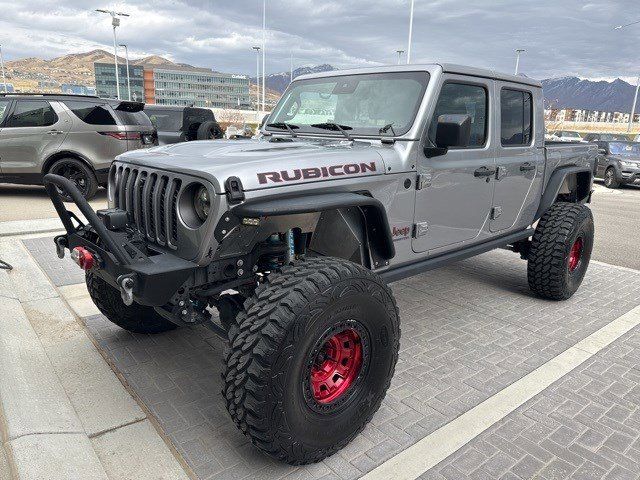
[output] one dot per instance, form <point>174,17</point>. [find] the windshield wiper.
<point>335,127</point>
<point>283,126</point>
<point>386,128</point>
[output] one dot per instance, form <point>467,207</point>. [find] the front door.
<point>519,159</point>
<point>32,131</point>
<point>455,190</point>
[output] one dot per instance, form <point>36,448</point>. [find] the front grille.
<point>151,200</point>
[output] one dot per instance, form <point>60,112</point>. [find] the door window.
<point>515,117</point>
<point>32,113</point>
<point>4,105</point>
<point>462,98</point>
<point>91,112</point>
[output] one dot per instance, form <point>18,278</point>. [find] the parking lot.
<point>491,381</point>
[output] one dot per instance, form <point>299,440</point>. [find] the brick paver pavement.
<point>468,331</point>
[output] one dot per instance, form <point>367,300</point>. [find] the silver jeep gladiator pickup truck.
<point>360,178</point>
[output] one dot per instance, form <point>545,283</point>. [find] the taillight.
<point>122,135</point>
<point>83,257</point>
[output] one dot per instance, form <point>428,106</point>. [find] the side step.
<point>395,274</point>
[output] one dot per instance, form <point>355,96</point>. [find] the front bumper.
<point>628,174</point>
<point>145,276</point>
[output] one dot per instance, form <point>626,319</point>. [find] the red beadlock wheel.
<point>336,366</point>
<point>575,255</point>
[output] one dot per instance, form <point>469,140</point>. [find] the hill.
<point>74,68</point>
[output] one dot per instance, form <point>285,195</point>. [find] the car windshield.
<point>571,134</point>
<point>624,148</point>
<point>359,104</point>
<point>165,120</point>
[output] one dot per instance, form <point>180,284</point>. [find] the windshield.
<point>571,134</point>
<point>626,148</point>
<point>361,104</point>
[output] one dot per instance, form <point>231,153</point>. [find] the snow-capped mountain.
<point>584,94</point>
<point>279,81</point>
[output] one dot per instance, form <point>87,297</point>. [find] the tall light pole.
<point>635,97</point>
<point>115,22</point>
<point>126,55</point>
<point>399,52</point>
<point>4,80</point>
<point>519,51</point>
<point>410,33</point>
<point>264,54</point>
<point>257,49</point>
<point>291,66</point>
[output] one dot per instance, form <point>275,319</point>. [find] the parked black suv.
<point>618,163</point>
<point>183,124</point>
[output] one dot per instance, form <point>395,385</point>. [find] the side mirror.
<point>602,151</point>
<point>451,131</point>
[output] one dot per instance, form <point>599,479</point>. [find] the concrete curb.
<point>66,414</point>
<point>27,227</point>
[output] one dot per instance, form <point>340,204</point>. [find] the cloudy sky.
<point>562,37</point>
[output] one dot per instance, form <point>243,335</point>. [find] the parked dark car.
<point>183,124</point>
<point>605,137</point>
<point>618,163</point>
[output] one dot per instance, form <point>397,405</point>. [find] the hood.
<point>261,163</point>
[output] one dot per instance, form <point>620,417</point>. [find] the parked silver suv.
<point>74,136</point>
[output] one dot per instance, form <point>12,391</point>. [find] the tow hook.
<point>126,283</point>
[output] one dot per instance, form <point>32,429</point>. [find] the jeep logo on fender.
<point>316,172</point>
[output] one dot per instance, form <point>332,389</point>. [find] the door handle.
<point>484,172</point>
<point>527,167</point>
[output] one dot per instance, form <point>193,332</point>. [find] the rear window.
<point>516,115</point>
<point>133,118</point>
<point>32,113</point>
<point>166,120</point>
<point>93,113</point>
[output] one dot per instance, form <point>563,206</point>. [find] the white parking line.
<point>445,441</point>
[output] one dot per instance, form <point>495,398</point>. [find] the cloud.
<point>561,38</point>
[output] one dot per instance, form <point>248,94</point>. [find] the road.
<point>617,221</point>
<point>616,212</point>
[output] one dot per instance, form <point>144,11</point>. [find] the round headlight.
<point>202,203</point>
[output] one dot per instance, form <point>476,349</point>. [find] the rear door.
<point>34,130</point>
<point>455,191</point>
<point>4,111</point>
<point>519,160</point>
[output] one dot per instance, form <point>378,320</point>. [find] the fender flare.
<point>377,224</point>
<point>555,183</point>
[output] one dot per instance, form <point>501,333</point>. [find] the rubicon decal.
<point>316,172</point>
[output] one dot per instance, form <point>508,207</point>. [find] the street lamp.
<point>4,80</point>
<point>635,97</point>
<point>410,33</point>
<point>257,49</point>
<point>518,52</point>
<point>126,54</point>
<point>115,22</point>
<point>291,66</point>
<point>399,52</point>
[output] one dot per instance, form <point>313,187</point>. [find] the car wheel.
<point>81,175</point>
<point>610,180</point>
<point>560,251</point>
<point>208,131</point>
<point>311,359</point>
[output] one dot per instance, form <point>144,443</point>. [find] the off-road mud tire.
<point>135,318</point>
<point>265,382</point>
<point>549,272</point>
